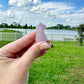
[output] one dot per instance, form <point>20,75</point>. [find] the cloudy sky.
<point>49,12</point>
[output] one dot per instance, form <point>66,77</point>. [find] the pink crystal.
<point>40,35</point>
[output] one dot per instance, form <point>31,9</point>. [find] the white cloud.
<point>55,5</point>
<point>80,11</point>
<point>52,10</point>
<point>34,8</point>
<point>37,1</point>
<point>6,16</point>
<point>0,5</point>
<point>20,3</point>
<point>35,11</point>
<point>24,3</point>
<point>76,18</point>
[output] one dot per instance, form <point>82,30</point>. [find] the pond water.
<point>47,31</point>
<point>57,35</point>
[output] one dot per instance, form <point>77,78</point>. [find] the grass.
<point>12,31</point>
<point>2,43</point>
<point>10,35</point>
<point>63,64</point>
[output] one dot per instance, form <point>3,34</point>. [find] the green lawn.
<point>5,36</point>
<point>63,64</point>
<point>2,43</point>
<point>10,35</point>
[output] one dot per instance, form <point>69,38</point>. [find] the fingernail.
<point>45,46</point>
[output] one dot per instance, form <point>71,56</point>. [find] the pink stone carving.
<point>40,35</point>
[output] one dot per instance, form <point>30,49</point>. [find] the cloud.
<point>7,16</point>
<point>20,3</point>
<point>36,2</point>
<point>24,3</point>
<point>52,10</point>
<point>33,12</point>
<point>80,11</point>
<point>0,5</point>
<point>76,18</point>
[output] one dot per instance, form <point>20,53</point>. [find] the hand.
<point>17,57</point>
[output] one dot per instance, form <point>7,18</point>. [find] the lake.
<point>47,31</point>
<point>58,35</point>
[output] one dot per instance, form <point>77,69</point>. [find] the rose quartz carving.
<point>40,35</point>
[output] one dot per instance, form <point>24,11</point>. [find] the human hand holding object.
<point>17,57</point>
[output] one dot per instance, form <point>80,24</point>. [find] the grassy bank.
<point>10,31</point>
<point>2,43</point>
<point>63,64</point>
<point>10,35</point>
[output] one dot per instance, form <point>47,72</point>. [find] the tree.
<point>6,25</point>
<point>1,25</point>
<point>11,26</point>
<point>19,26</point>
<point>80,31</point>
<point>25,26</point>
<point>31,26</point>
<point>60,26</point>
<point>74,28</point>
<point>67,27</point>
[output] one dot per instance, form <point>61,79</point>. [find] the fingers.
<point>34,52</point>
<point>20,44</point>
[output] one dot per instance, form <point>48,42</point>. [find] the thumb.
<point>34,52</point>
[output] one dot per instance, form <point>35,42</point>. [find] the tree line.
<point>79,29</point>
<point>61,26</point>
<point>18,25</point>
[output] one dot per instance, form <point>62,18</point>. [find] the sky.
<point>48,12</point>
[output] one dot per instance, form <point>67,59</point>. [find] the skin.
<point>17,57</point>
